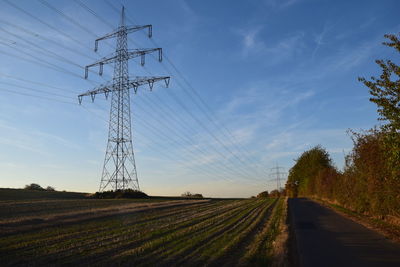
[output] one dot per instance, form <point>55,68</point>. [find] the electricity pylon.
<point>119,169</point>
<point>278,175</point>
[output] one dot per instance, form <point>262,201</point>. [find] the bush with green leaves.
<point>303,175</point>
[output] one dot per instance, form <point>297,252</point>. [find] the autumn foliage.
<point>370,181</point>
<point>367,184</point>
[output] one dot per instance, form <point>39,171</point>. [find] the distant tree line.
<point>126,193</point>
<point>187,194</point>
<point>370,181</point>
<point>273,194</point>
<point>37,187</point>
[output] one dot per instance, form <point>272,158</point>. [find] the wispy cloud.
<point>250,41</point>
<point>348,59</point>
<point>249,38</point>
<point>55,139</point>
<point>276,51</point>
<point>280,3</point>
<point>319,41</point>
<point>188,19</point>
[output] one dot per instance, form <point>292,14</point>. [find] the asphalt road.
<point>324,238</point>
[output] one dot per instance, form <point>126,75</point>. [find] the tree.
<point>303,175</point>
<point>385,90</point>
<point>34,187</point>
<point>186,194</point>
<point>274,193</point>
<point>190,195</point>
<point>264,194</point>
<point>50,188</point>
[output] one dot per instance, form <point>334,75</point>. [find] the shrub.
<point>303,175</point>
<point>368,185</point>
<point>274,193</point>
<point>376,187</point>
<point>34,187</point>
<point>264,194</point>
<point>127,193</point>
<point>187,194</point>
<point>370,182</point>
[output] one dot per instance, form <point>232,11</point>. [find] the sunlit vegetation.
<point>138,231</point>
<point>370,181</point>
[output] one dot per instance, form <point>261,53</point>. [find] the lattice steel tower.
<point>119,170</point>
<point>278,175</point>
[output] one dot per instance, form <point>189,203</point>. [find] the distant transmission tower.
<point>277,175</point>
<point>119,170</point>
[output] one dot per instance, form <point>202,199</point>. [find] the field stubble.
<point>125,232</point>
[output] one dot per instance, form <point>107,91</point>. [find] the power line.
<point>205,110</point>
<point>48,92</point>
<point>119,169</point>
<point>193,100</point>
<point>36,90</point>
<point>45,23</point>
<point>46,52</point>
<point>161,136</point>
<point>94,13</point>
<point>278,175</point>
<point>203,126</point>
<point>40,61</point>
<point>186,138</point>
<point>45,3</point>
<point>37,35</point>
<point>36,96</point>
<point>37,83</point>
<point>199,122</point>
<point>33,44</point>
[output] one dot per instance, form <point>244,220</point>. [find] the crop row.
<point>199,233</point>
<point>66,240</point>
<point>10,210</point>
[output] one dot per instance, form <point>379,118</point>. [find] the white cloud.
<point>275,51</point>
<point>249,39</point>
<point>281,4</point>
<point>319,41</point>
<point>48,137</point>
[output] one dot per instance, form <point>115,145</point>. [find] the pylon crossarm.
<point>131,54</point>
<point>139,81</point>
<point>101,63</point>
<point>127,29</point>
<point>142,52</point>
<point>119,168</point>
<point>102,89</point>
<point>130,29</point>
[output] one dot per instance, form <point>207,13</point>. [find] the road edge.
<point>360,219</point>
<point>293,253</point>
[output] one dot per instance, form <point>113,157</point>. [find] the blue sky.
<point>277,78</point>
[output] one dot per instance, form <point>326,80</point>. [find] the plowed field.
<point>127,232</point>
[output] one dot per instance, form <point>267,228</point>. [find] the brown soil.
<point>35,222</point>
